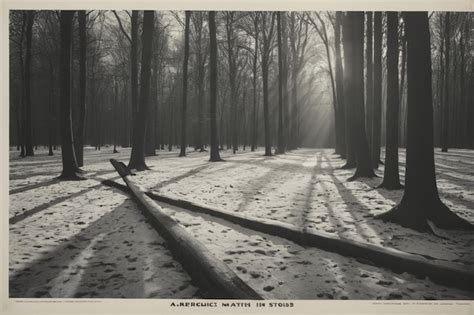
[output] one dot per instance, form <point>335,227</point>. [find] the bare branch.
<point>121,26</point>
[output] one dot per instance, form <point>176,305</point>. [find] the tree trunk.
<point>420,202</point>
<point>51,110</point>
<point>70,168</point>
<point>214,155</point>
<point>391,179</point>
<point>462,101</point>
<point>286,111</point>
<point>137,158</point>
<point>115,116</point>
<point>266,119</point>
<point>79,143</point>
<point>281,84</point>
<point>349,90</point>
<point>254,82</point>
<point>185,85</point>
<point>445,112</point>
<point>134,64</point>
<point>152,122</point>
<point>377,101</point>
<point>364,164</point>
<point>369,86</point>
<point>233,123</point>
<point>341,132</point>
<point>21,108</point>
<point>28,124</point>
<point>402,112</point>
<point>200,81</point>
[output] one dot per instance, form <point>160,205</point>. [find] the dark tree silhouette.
<point>134,62</point>
<point>232,63</point>
<point>348,83</point>
<point>377,101</point>
<point>254,85</point>
<point>401,113</point>
<point>185,84</point>
<point>341,132</point>
<point>391,179</point>
<point>445,113</point>
<point>364,164</point>
<point>20,109</point>
<point>421,202</point>
<point>70,168</point>
<point>369,85</point>
<point>79,143</point>
<point>27,122</point>
<point>137,158</point>
<point>201,57</point>
<point>282,83</point>
<point>267,31</point>
<point>214,154</point>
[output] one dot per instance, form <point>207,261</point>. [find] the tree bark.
<point>391,179</point>
<point>377,101</point>
<point>254,85</point>
<point>231,59</point>
<point>348,90</point>
<point>51,109</point>
<point>115,115</point>
<point>214,155</point>
<point>267,36</point>
<point>200,63</point>
<point>282,83</point>
<point>364,164</point>
<point>341,132</point>
<point>134,64</point>
<point>185,85</point>
<point>369,86</point>
<point>152,122</point>
<point>28,124</point>
<point>402,112</point>
<point>70,168</point>
<point>137,158</point>
<point>445,112</point>
<point>421,202</point>
<point>79,143</point>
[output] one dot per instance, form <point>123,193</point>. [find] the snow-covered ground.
<point>83,239</point>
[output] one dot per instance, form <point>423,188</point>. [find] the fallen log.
<point>398,261</point>
<point>207,272</point>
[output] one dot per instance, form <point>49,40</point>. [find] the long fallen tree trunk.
<point>208,272</point>
<point>396,260</point>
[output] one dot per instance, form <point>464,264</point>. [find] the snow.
<point>84,239</point>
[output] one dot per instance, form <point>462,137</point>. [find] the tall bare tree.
<point>420,202</point>
<point>377,101</point>
<point>185,84</point>
<point>283,120</point>
<point>214,154</point>
<point>364,164</point>
<point>267,29</point>
<point>27,122</point>
<point>137,158</point>
<point>445,112</point>
<point>70,170</point>
<point>79,143</point>
<point>391,178</point>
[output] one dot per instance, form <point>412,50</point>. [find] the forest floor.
<point>85,239</point>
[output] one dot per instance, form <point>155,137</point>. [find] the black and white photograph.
<point>240,155</point>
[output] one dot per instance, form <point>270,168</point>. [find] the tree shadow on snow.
<point>106,259</point>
